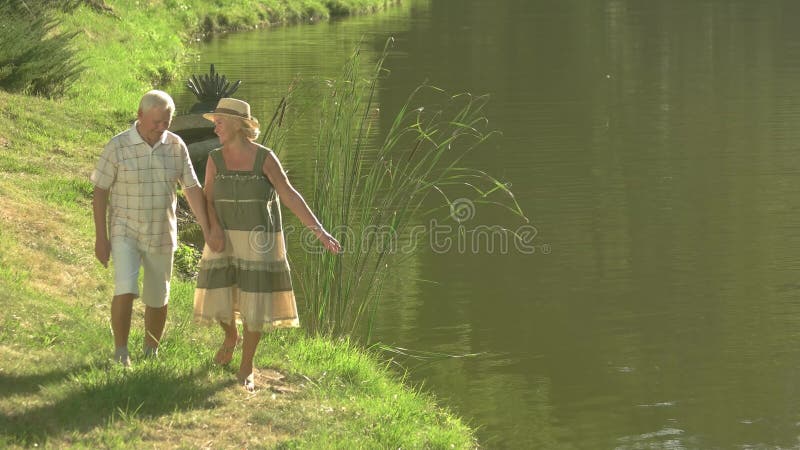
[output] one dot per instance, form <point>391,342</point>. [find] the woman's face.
<point>226,128</point>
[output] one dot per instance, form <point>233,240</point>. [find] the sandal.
<point>248,383</point>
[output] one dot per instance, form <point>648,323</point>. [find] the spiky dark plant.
<point>209,88</point>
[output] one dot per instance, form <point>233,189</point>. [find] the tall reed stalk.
<point>368,195</point>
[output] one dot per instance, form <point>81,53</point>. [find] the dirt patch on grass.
<point>59,262</point>
<point>237,421</point>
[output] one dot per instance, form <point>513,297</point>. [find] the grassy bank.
<point>57,386</point>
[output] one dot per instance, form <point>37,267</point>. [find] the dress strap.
<point>219,161</point>
<point>261,155</point>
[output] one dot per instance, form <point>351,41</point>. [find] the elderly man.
<point>141,168</point>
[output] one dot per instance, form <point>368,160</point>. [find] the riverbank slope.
<point>58,386</point>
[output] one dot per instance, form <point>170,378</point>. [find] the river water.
<point>655,148</point>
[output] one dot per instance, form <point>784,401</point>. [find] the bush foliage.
<point>35,58</point>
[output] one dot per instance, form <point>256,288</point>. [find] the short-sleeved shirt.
<point>143,182</point>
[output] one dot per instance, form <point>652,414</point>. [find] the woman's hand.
<point>328,241</point>
<point>216,239</point>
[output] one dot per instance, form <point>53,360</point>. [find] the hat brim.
<point>210,116</point>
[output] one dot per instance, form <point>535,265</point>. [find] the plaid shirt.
<point>143,183</point>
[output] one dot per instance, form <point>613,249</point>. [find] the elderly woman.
<point>244,274</point>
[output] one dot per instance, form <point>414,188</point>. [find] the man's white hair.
<point>156,99</point>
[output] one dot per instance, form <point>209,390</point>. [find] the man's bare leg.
<point>154,320</point>
<point>121,311</point>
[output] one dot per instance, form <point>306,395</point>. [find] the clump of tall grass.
<point>371,195</point>
<point>35,58</point>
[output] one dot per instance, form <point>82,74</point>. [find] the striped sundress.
<point>249,281</point>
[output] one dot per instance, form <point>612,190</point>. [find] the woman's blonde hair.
<point>249,130</point>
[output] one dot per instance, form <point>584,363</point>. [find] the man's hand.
<point>102,250</point>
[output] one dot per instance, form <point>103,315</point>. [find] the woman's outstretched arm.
<point>296,203</point>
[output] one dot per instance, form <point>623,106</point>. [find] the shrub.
<point>186,261</point>
<point>35,59</point>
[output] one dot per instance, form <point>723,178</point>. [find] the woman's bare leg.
<point>225,352</point>
<point>249,346</point>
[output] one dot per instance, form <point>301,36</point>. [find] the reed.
<point>371,186</point>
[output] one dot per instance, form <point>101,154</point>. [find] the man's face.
<point>153,123</point>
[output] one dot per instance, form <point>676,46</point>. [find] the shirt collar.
<point>134,133</point>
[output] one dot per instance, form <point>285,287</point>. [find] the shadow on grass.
<point>11,384</point>
<point>101,396</point>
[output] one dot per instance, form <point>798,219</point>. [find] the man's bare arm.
<point>102,246</point>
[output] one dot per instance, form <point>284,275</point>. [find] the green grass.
<point>61,389</point>
<point>94,403</point>
<point>58,387</point>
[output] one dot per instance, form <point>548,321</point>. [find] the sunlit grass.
<point>60,389</point>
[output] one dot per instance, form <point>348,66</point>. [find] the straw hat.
<point>231,107</point>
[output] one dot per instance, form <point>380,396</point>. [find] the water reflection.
<point>654,147</point>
